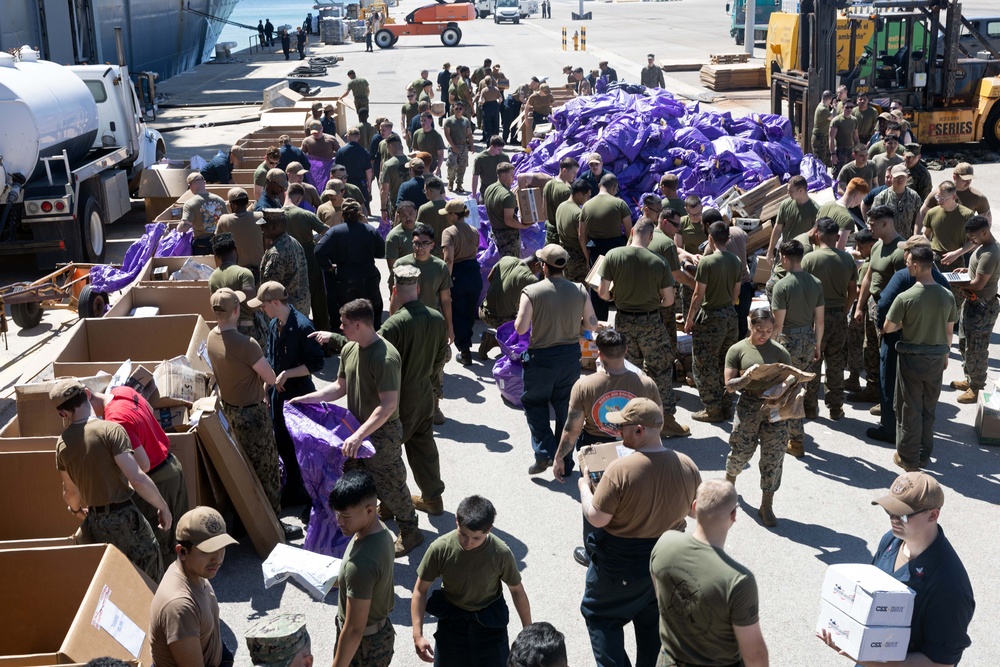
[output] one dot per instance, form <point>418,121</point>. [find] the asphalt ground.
<point>824,503</point>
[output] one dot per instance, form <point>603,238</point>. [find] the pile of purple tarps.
<point>318,431</point>
<point>106,278</point>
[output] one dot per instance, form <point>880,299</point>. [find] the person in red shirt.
<point>127,408</point>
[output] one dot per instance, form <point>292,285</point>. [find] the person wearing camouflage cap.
<point>99,471</point>
<point>284,261</point>
<point>280,641</point>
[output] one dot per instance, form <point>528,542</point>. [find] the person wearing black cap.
<point>552,309</point>
<point>916,552</point>
<point>97,464</point>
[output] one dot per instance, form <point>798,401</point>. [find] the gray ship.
<point>160,35</point>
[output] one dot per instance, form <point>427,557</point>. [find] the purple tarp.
<point>105,278</point>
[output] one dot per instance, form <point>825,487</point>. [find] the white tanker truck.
<point>72,138</point>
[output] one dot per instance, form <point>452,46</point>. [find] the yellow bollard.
<point>583,38</point>
<point>564,38</point>
<point>576,40</point>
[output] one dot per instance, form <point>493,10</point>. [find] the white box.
<point>868,595</point>
<point>862,642</point>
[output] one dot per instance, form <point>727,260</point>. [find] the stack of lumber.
<point>728,58</point>
<point>733,77</point>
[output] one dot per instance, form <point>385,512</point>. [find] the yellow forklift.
<point>911,50</point>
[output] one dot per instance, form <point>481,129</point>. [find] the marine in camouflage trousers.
<point>649,349</point>
<point>253,429</point>
<point>508,241</point>
<point>821,148</point>
<point>577,267</point>
<point>975,325</point>
<point>669,316</point>
<point>752,428</point>
<point>438,380</point>
<point>493,321</point>
<point>855,349</point>
<point>169,480</point>
<point>833,351</point>
<point>552,236</point>
<point>387,467</point>
<point>801,345</point>
<point>375,650</point>
<point>713,334</point>
<point>873,341</point>
<point>458,162</point>
<point>127,529</point>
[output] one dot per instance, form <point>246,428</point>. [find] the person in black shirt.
<point>358,163</point>
<point>220,168</point>
<point>413,189</point>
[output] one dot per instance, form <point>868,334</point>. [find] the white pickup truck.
<point>506,10</point>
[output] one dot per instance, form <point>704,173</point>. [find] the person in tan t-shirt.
<point>242,224</point>
<point>184,616</point>
<point>460,243</point>
<point>638,498</point>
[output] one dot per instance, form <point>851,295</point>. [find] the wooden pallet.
<point>728,58</point>
<point>733,77</point>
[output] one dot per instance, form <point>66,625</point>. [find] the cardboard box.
<point>760,237</point>
<point>531,204</point>
<point>597,458</point>
<point>237,475</point>
<point>588,346</point>
<point>685,344</point>
<point>763,270</point>
<point>141,380</point>
<point>200,479</point>
<point>861,642</point>
<point>535,179</point>
<point>177,383</point>
<point>173,419</point>
<point>30,483</point>
<point>145,341</point>
<point>171,264</point>
<point>37,414</point>
<point>593,279</point>
<point>169,299</point>
<point>868,595</point>
<point>62,600</point>
<point>987,420</point>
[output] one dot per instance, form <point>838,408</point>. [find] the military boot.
<point>766,512</point>
<point>407,542</point>
<point>795,448</point>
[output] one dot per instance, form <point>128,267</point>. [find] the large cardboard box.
<point>145,341</point>
<point>988,419</point>
<point>763,271</point>
<point>177,383</point>
<point>37,415</point>
<point>169,265</point>
<point>75,604</point>
<point>759,238</point>
<point>531,204</point>
<point>597,458</point>
<point>31,493</point>
<point>161,185</point>
<point>168,300</point>
<point>861,642</point>
<point>868,595</point>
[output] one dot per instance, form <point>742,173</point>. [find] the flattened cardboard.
<point>531,204</point>
<point>48,608</point>
<point>763,271</point>
<point>238,476</point>
<point>197,477</point>
<point>593,279</point>
<point>37,415</point>
<point>597,458</point>
<point>169,299</point>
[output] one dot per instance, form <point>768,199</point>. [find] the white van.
<point>524,8</point>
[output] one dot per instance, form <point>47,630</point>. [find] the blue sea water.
<point>292,12</point>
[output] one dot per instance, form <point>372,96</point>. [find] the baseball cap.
<point>595,158</point>
<point>455,206</point>
<point>554,255</point>
<point>274,641</point>
<point>912,492</point>
<point>226,300</point>
<point>338,168</point>
<point>416,163</point>
<point>271,215</point>
<point>640,411</point>
<point>911,149</point>
<point>316,125</point>
<point>236,194</point>
<point>915,241</point>
<point>900,170</point>
<point>65,390</point>
<point>885,115</point>
<point>964,171</point>
<point>277,176</point>
<point>272,290</point>
<point>296,168</point>
<point>194,176</point>
<point>650,56</point>
<point>316,106</point>
<point>204,528</point>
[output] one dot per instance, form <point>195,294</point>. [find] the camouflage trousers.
<point>713,334</point>
<point>821,148</point>
<point>129,531</point>
<point>801,345</point>
<point>855,344</point>
<point>253,429</point>
<point>508,241</point>
<point>438,381</point>
<point>375,650</point>
<point>577,267</point>
<point>551,235</point>
<point>387,467</point>
<point>873,341</point>
<point>669,316</point>
<point>250,328</point>
<point>975,325</point>
<point>169,480</point>
<point>751,428</point>
<point>458,162</point>
<point>649,349</point>
<point>833,351</point>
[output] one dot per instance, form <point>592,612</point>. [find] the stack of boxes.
<point>867,612</point>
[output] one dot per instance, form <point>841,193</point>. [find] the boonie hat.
<point>639,411</point>
<point>964,171</point>
<point>912,492</point>
<point>236,194</point>
<point>296,168</point>
<point>277,176</point>
<point>900,170</point>
<point>455,206</point>
<point>204,528</point>
<point>276,640</point>
<point>554,255</point>
<point>272,290</point>
<point>194,176</point>
<point>65,390</point>
<point>226,300</point>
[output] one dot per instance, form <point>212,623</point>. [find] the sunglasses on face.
<point>905,518</point>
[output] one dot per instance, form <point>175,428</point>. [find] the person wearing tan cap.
<point>460,245</point>
<point>351,191</point>
<point>275,186</point>
<point>904,202</point>
<point>284,261</point>
<point>295,173</point>
<point>201,214</point>
<point>99,471</point>
<point>241,222</point>
<point>618,592</point>
<point>553,309</point>
<point>331,211</point>
<point>916,551</point>
<point>184,626</point>
<point>968,196</point>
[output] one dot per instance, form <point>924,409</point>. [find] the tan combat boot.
<point>766,512</point>
<point>407,542</point>
<point>709,415</point>
<point>970,395</point>
<point>961,385</point>
<point>795,448</point>
<point>433,507</point>
<point>671,429</point>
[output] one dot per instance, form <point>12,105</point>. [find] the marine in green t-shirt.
<point>923,311</point>
<point>986,260</point>
<point>413,330</point>
<point>744,354</point>
<point>554,193</point>
<point>805,238</point>
<point>484,169</point>
<point>665,247</point>
<point>359,89</point>
<point>497,199</point>
<point>605,217</point>
<point>839,214</point>
<point>367,372</point>
<point>639,278</point>
<point>835,270</point>
<point>435,278</point>
<point>692,234</point>
<point>507,280</point>
<point>720,274</point>
<point>798,294</point>
<point>846,127</point>
<point>568,226</point>
<point>459,130</point>
<point>947,228</point>
<point>886,259</point>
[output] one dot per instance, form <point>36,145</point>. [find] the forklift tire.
<point>91,303</point>
<point>451,36</point>
<point>26,315</point>
<point>385,39</point>
<point>991,130</point>
<point>92,229</point>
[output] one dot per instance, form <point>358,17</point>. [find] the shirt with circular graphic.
<point>598,394</point>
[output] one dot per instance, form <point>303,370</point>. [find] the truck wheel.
<point>92,223</point>
<point>451,36</point>
<point>496,19</point>
<point>991,130</point>
<point>385,39</point>
<point>483,13</point>
<point>91,303</point>
<point>739,37</point>
<point>517,21</point>
<point>26,315</point>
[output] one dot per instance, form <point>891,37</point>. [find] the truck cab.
<point>737,10</point>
